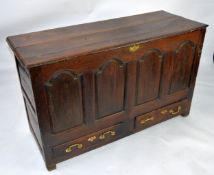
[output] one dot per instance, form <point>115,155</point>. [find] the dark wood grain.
<point>110,88</point>
<point>90,141</point>
<point>162,114</point>
<point>87,85</point>
<point>149,71</point>
<point>183,57</point>
<point>61,88</point>
<point>57,44</point>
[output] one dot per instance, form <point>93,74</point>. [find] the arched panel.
<point>148,76</point>
<point>182,66</point>
<point>110,88</point>
<point>65,100</point>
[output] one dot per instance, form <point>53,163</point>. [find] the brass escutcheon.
<point>164,111</point>
<point>134,48</point>
<point>91,139</point>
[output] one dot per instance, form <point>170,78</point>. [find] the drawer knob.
<point>171,111</point>
<point>134,48</point>
<point>91,139</point>
<point>69,149</point>
<point>146,120</point>
<point>103,136</point>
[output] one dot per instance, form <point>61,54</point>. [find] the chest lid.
<point>48,46</point>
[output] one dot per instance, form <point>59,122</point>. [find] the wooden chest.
<point>87,85</point>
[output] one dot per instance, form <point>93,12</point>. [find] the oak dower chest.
<point>87,85</point>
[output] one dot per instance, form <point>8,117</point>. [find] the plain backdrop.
<point>178,146</point>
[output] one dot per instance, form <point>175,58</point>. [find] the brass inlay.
<point>171,111</point>
<point>146,120</point>
<point>134,48</point>
<point>103,136</point>
<point>69,149</point>
<point>91,139</point>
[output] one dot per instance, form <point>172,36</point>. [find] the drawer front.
<point>90,141</point>
<point>147,120</point>
<point>173,110</point>
<point>161,114</point>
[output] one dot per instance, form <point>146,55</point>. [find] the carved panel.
<point>64,90</point>
<point>181,66</point>
<point>148,76</point>
<point>110,88</point>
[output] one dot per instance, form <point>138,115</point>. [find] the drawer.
<point>159,115</point>
<point>146,120</point>
<point>85,143</point>
<point>173,109</point>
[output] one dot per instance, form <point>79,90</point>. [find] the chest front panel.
<point>116,85</point>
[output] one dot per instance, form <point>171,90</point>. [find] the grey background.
<point>178,146</point>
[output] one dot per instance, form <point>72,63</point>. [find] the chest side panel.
<point>30,106</point>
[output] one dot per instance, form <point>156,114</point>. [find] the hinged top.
<point>53,45</point>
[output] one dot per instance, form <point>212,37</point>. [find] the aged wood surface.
<point>57,44</point>
<point>87,85</point>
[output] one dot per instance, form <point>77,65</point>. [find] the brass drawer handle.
<point>92,138</point>
<point>171,111</point>
<point>69,149</point>
<point>146,120</point>
<point>103,136</point>
<point>134,48</point>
